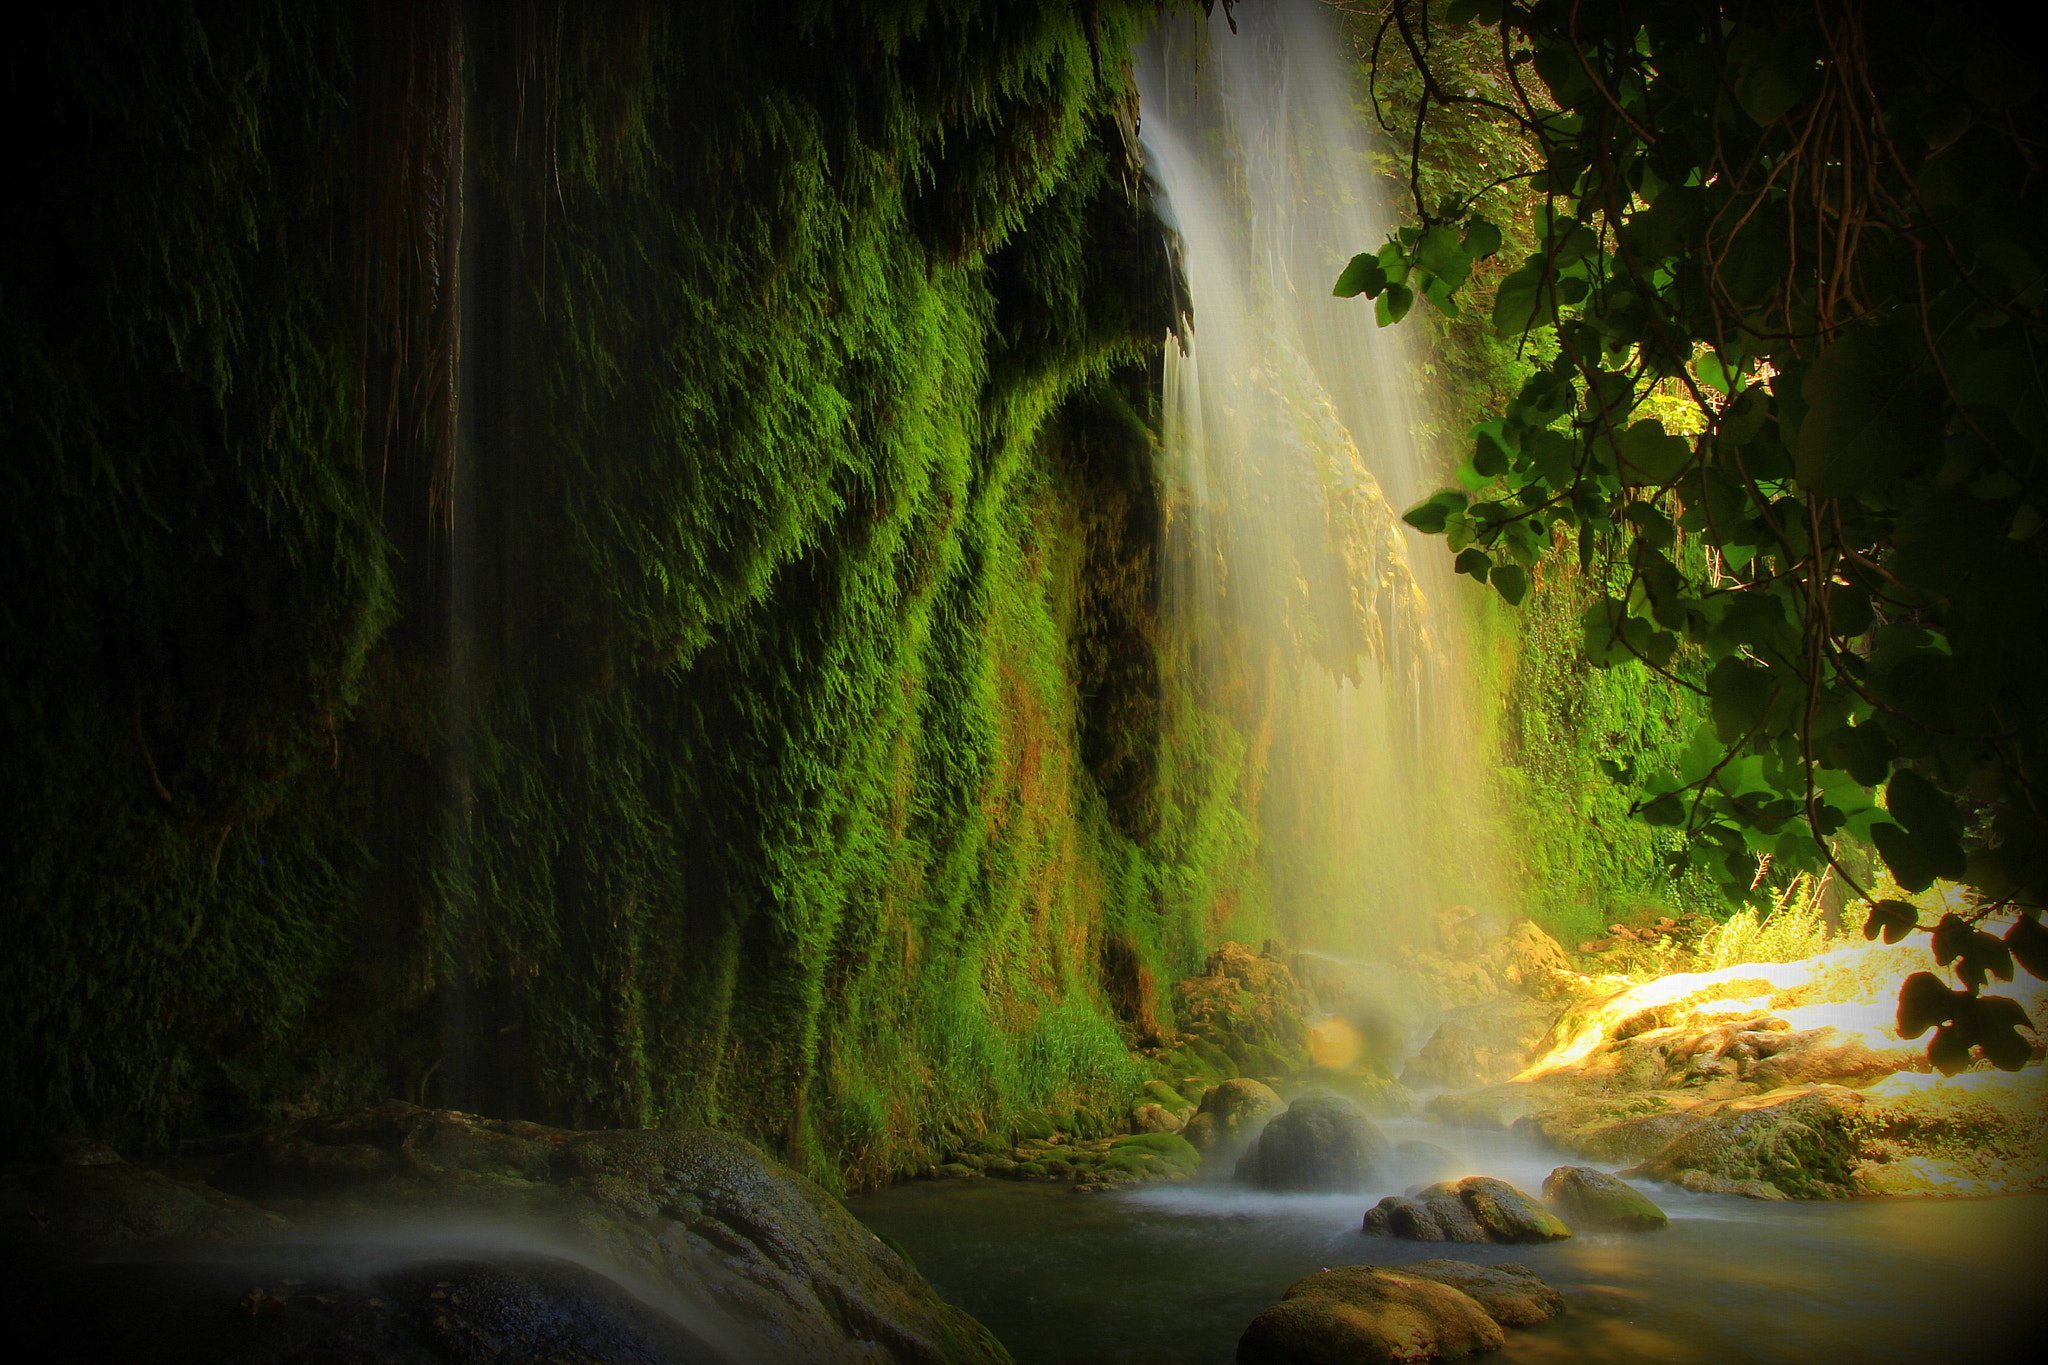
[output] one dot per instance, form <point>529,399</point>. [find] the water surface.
<point>1170,1274</point>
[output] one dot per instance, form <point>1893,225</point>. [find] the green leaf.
<point>1363,276</point>
<point>1429,515</point>
<point>1894,919</point>
<point>1523,300</point>
<point>1909,864</point>
<point>1923,1002</point>
<point>1949,1049</point>
<point>2028,943</point>
<point>1770,79</point>
<point>1915,803</point>
<point>1664,811</point>
<point>1474,562</point>
<point>1740,693</point>
<point>1871,415</point>
<point>1742,419</point>
<point>1650,457</point>
<point>1511,581</point>
<point>1393,304</point>
<point>1482,238</point>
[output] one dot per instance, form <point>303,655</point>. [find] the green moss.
<point>770,720</point>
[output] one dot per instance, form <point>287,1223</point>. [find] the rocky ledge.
<point>397,1234</point>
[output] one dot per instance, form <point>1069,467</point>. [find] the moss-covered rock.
<point>1230,1116</point>
<point>1512,1294</point>
<point>1321,1142</point>
<point>1477,1208</point>
<point>1595,1201</point>
<point>1368,1316</point>
<point>1800,1142</point>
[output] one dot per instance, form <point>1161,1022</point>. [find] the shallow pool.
<point>1170,1274</point>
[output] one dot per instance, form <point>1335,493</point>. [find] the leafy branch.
<point>1818,234</point>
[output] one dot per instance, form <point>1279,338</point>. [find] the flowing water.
<point>1290,432</point>
<point>1171,1275</point>
<point>1290,440</point>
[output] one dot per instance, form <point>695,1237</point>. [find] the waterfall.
<point>1331,631</point>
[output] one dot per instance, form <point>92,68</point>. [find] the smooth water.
<point>1171,1274</point>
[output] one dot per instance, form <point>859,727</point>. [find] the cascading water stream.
<point>1290,427</point>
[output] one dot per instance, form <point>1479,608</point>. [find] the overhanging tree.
<point>1822,228</point>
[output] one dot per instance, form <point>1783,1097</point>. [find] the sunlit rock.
<point>1322,1142</point>
<point>1594,1201</point>
<point>1778,1080</point>
<point>1366,1315</point>
<point>1798,1141</point>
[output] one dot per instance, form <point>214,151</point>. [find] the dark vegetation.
<point>593,564</point>
<point>1783,282</point>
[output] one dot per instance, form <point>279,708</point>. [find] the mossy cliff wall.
<point>591,563</point>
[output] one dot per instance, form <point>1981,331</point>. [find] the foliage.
<point>1581,863</point>
<point>746,703</point>
<point>1822,230</point>
<point>1797,927</point>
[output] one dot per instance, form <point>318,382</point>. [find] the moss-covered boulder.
<point>1798,1143</point>
<point>1512,1294</point>
<point>1230,1116</point>
<point>1321,1142</point>
<point>1360,1315</point>
<point>1248,1006</point>
<point>1151,1156</point>
<point>1475,1209</point>
<point>1594,1201</point>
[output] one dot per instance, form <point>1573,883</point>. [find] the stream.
<point>1170,1274</point>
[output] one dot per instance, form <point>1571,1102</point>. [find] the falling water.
<point>1329,629</point>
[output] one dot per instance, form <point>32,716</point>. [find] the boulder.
<point>527,1223</point>
<point>1231,1115</point>
<point>1475,1209</point>
<point>1358,1315</point>
<point>1418,1220</point>
<point>1322,1142</point>
<point>1512,1294</point>
<point>1798,1142</point>
<point>1595,1201</point>
<point>1154,1118</point>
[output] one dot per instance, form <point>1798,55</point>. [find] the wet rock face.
<point>275,1306</point>
<point>1595,1201</point>
<point>1322,1142</point>
<point>776,1261</point>
<point>1475,1209</point>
